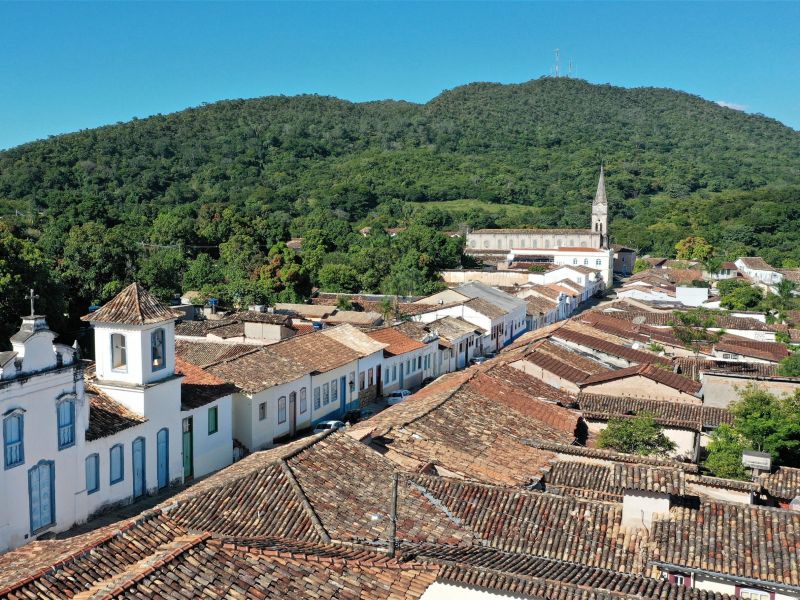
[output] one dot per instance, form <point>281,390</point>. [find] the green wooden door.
<point>188,457</point>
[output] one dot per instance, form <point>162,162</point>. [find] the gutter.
<point>749,581</point>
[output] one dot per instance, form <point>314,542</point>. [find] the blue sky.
<point>68,66</point>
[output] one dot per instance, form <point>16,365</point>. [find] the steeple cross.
<point>32,297</point>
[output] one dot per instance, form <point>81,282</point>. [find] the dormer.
<point>134,338</point>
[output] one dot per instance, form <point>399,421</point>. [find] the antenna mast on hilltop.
<point>569,69</point>
<point>558,63</point>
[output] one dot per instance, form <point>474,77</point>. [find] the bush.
<point>637,435</point>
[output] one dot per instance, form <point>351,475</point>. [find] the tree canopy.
<point>636,435</point>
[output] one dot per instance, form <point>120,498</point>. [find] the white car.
<point>397,396</point>
<point>326,425</point>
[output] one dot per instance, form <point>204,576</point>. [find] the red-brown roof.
<point>398,342</point>
<point>668,378</point>
<point>133,306</point>
<point>200,387</point>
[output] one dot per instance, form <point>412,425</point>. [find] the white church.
<point>576,247</point>
<point>74,445</point>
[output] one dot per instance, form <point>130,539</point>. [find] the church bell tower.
<point>600,211</point>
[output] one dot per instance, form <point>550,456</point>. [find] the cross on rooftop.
<point>32,297</point>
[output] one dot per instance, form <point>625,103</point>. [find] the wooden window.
<point>316,398</point>
<point>303,401</point>
<point>92,473</point>
<point>326,398</point>
<point>213,420</point>
<point>13,439</point>
<point>117,463</point>
<point>65,411</point>
<point>119,354</point>
<point>157,350</point>
<point>282,409</point>
<point>262,411</point>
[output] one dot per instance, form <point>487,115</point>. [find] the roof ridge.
<point>112,587</point>
<point>298,490</point>
<point>85,549</point>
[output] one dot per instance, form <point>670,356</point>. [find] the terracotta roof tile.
<point>606,347</point>
<point>133,306</point>
<point>668,378</point>
<point>397,342</point>
<point>107,416</point>
<point>261,369</point>
<point>783,483</point>
<point>675,414</point>
<point>200,387</point>
<point>204,354</point>
<point>731,539</point>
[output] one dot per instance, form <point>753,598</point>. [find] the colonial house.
<point>273,397</point>
<point>459,342</point>
<point>758,270</point>
<point>72,449</point>
<point>403,359</point>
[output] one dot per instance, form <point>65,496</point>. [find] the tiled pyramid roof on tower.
<point>133,306</point>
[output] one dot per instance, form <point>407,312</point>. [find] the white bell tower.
<point>600,211</point>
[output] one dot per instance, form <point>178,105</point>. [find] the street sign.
<point>757,460</point>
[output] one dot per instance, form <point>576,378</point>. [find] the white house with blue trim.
<point>72,449</point>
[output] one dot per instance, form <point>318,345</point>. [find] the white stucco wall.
<point>212,451</point>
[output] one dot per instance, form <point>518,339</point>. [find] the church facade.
<point>488,241</point>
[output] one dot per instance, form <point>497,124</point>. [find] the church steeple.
<point>600,210</point>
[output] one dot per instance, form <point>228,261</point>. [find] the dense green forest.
<point>205,198</point>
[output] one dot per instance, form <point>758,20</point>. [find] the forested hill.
<point>537,144</point>
<point>204,198</point>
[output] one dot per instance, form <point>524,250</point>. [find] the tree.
<point>636,435</point>
<point>339,278</point>
<point>725,453</point>
<point>694,248</point>
<point>790,366</point>
<point>22,267</point>
<point>162,272</point>
<point>640,265</point>
<point>201,272</point>
<point>742,298</point>
<point>769,423</point>
<point>343,303</point>
<point>387,308</point>
<point>693,329</point>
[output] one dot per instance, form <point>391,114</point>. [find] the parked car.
<point>478,360</point>
<point>428,380</point>
<point>397,396</point>
<point>327,425</point>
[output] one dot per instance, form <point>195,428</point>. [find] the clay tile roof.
<point>200,387</point>
<point>736,540</point>
<point>664,319</point>
<point>668,378</point>
<point>783,483</point>
<point>533,230</point>
<point>251,316</point>
<point>756,263</point>
<point>533,386</point>
<point>452,328</point>
<point>316,352</point>
<point>133,306</point>
<point>65,568</point>
<point>556,366</point>
<point>355,317</point>
<point>601,345</point>
<point>107,416</point>
<point>396,341</point>
<point>539,306</point>
<point>675,414</point>
<point>312,311</point>
<point>610,455</point>
<point>260,369</point>
<point>646,478</point>
<point>204,354</point>
<point>772,351</point>
<point>483,307</point>
<point>692,368</point>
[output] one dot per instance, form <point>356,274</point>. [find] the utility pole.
<point>393,518</point>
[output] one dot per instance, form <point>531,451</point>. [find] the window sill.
<point>67,446</point>
<point>117,481</point>
<point>14,466</point>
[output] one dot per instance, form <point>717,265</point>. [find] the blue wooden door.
<point>345,405</point>
<point>162,451</point>
<point>138,468</point>
<point>40,489</point>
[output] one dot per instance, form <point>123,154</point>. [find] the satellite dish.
<point>795,504</point>
<point>640,320</point>
<point>636,345</point>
